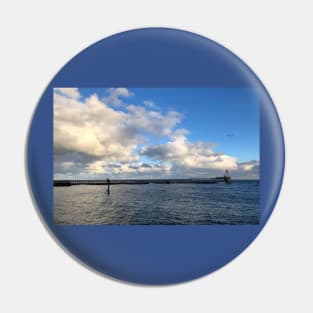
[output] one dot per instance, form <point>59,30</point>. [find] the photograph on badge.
<point>156,156</point>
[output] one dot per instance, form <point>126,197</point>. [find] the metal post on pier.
<point>108,184</point>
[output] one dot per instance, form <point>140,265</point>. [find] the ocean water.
<point>166,204</point>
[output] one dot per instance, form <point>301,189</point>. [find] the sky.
<point>156,132</point>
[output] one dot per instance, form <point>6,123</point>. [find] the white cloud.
<point>72,93</point>
<point>101,134</point>
<point>115,94</point>
<point>197,155</point>
<point>249,169</point>
<point>150,104</point>
<point>92,138</point>
<point>141,168</point>
<point>90,127</point>
<point>248,166</point>
<point>152,121</point>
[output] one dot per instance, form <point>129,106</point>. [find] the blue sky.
<point>228,117</point>
<point>203,121</point>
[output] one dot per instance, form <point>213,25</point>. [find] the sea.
<point>158,204</point>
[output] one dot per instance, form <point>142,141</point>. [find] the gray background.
<point>274,39</point>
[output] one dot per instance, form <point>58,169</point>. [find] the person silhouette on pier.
<point>108,184</point>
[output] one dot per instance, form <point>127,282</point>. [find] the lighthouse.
<point>227,177</point>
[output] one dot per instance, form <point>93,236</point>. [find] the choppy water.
<point>236,203</point>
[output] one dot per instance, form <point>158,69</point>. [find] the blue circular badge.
<point>155,156</point>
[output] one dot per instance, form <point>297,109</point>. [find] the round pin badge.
<point>155,156</point>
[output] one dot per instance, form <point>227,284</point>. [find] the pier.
<point>73,182</point>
